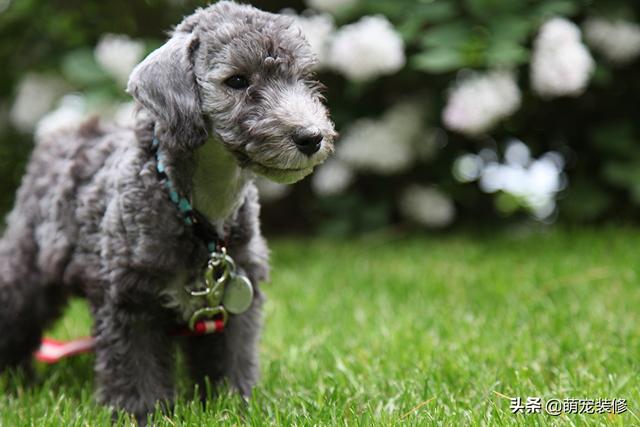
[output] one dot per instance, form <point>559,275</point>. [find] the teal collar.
<point>222,288</point>
<point>192,217</point>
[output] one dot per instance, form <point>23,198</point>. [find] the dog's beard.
<point>287,168</point>
<point>282,176</point>
<point>285,175</point>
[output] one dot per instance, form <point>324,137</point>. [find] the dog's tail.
<point>27,303</point>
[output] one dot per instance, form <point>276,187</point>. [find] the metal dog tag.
<point>238,294</point>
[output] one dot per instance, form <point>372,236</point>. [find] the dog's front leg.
<point>134,359</point>
<point>231,355</point>
<point>205,360</point>
<point>241,338</point>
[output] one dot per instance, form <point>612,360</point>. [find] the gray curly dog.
<point>229,95</point>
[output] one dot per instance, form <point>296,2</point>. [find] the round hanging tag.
<point>238,294</point>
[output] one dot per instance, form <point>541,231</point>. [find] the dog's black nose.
<point>308,142</point>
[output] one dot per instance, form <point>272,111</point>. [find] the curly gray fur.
<point>91,217</point>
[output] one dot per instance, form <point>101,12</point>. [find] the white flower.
<point>317,29</point>
<point>536,181</point>
<point>544,179</point>
<point>480,101</point>
<point>331,6</point>
<point>331,178</point>
<point>384,146</point>
<point>427,206</point>
<point>367,49</point>
<point>71,111</point>
<point>271,191</point>
<point>118,55</point>
<point>618,41</point>
<point>561,64</point>
<point>517,153</point>
<point>368,145</point>
<point>36,95</point>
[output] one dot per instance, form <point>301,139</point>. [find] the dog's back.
<point>56,218</point>
<point>62,194</point>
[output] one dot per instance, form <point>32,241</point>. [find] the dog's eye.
<point>237,82</point>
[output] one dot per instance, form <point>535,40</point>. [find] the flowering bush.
<point>477,103</point>
<point>560,64</point>
<point>449,111</point>
<point>366,49</point>
<point>117,55</point>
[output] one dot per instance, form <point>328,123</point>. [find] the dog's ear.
<point>165,84</point>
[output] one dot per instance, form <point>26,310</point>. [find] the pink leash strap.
<point>52,351</point>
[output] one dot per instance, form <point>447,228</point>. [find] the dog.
<point>110,213</point>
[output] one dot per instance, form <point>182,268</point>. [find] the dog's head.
<point>245,76</point>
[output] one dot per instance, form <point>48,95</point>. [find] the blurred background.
<point>451,112</point>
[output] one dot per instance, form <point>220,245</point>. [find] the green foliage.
<point>80,66</point>
<point>597,132</point>
<point>452,35</point>
<point>57,37</point>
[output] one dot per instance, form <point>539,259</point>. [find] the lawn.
<point>411,330</point>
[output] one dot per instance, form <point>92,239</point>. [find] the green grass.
<point>416,330</point>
